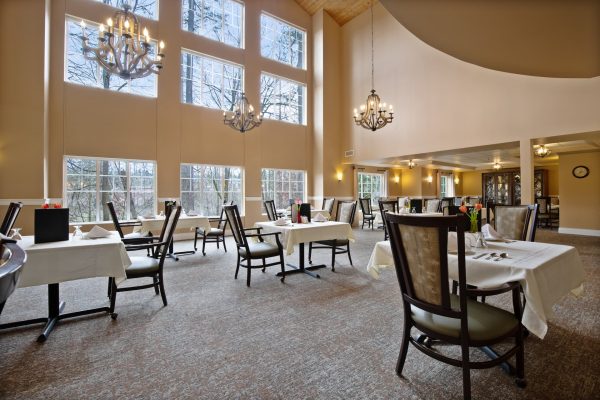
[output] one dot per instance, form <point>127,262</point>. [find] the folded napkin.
<point>319,218</point>
<point>97,232</point>
<point>149,216</point>
<point>490,233</point>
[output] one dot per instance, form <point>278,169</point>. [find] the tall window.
<point>282,99</point>
<point>210,82</point>
<point>90,183</point>
<point>88,73</point>
<point>282,42</point>
<point>282,185</point>
<point>219,20</point>
<point>204,188</point>
<point>446,185</point>
<point>371,186</point>
<point>143,8</point>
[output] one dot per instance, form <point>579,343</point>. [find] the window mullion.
<point>98,190</point>
<point>128,191</point>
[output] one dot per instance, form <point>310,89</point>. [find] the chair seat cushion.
<point>338,242</point>
<point>485,322</point>
<point>136,235</point>
<point>369,216</point>
<point>260,250</point>
<point>142,266</point>
<point>215,232</point>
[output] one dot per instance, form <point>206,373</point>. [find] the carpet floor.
<point>336,337</point>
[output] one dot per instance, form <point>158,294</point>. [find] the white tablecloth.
<point>73,259</point>
<point>304,233</point>
<point>313,213</point>
<point>155,225</point>
<point>546,271</point>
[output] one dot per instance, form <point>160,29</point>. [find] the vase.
<point>474,228</point>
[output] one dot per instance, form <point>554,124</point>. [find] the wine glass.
<point>77,233</point>
<point>15,234</point>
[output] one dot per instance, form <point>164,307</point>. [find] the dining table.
<point>69,260</point>
<point>299,234</point>
<point>547,272</point>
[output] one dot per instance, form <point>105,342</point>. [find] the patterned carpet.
<point>331,338</point>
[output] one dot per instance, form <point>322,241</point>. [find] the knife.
<point>479,256</point>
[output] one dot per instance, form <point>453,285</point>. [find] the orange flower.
<point>45,205</point>
<point>463,209</point>
<point>57,205</point>
<point>478,206</point>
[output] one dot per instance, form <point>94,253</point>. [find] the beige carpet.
<point>331,338</point>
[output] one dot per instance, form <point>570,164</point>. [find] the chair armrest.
<point>505,287</point>
<point>145,246</point>
<point>214,220</point>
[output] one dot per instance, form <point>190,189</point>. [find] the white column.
<point>527,172</point>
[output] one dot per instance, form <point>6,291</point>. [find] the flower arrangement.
<point>55,205</point>
<point>472,215</point>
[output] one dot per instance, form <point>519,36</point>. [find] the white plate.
<point>467,252</point>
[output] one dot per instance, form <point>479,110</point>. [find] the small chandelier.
<point>497,166</point>
<point>374,113</point>
<point>542,151</point>
<point>242,118</point>
<point>411,164</point>
<point>121,48</point>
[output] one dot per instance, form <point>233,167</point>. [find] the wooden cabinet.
<point>504,187</point>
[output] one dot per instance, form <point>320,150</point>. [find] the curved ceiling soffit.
<point>559,39</point>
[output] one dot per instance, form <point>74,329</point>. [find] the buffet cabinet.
<point>504,187</point>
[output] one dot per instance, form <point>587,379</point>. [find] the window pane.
<point>209,82</point>
<point>282,99</point>
<point>219,20</point>
<point>209,186</point>
<point>143,8</point>
<point>281,42</point>
<point>282,185</point>
<point>371,186</point>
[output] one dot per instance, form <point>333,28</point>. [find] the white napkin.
<point>281,221</point>
<point>490,233</point>
<point>149,216</point>
<point>97,232</point>
<point>319,218</point>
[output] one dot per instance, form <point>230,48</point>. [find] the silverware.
<point>492,255</point>
<point>479,256</point>
<point>501,256</point>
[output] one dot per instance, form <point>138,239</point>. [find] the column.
<point>527,172</point>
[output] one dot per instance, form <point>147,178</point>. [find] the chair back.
<point>271,210</point>
<point>10,217</point>
<point>235,223</point>
<point>365,206</point>
<point>166,236</point>
<point>445,202</point>
<point>532,222</point>
<point>115,219</point>
<point>544,205</point>
<point>222,218</point>
<point>402,202</point>
<point>346,210</point>
<point>420,250</point>
<point>432,205</point>
<point>417,204</point>
<point>512,222</point>
<point>328,205</point>
<point>388,205</point>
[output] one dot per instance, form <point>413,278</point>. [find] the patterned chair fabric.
<point>512,221</point>
<point>433,205</point>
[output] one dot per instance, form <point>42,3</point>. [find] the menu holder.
<point>51,225</point>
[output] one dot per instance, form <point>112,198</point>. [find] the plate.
<point>286,224</point>
<point>467,252</point>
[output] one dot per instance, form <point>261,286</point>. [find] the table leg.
<point>302,269</point>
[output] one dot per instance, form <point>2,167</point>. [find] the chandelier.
<point>542,151</point>
<point>123,48</point>
<point>497,166</point>
<point>374,113</point>
<point>411,164</point>
<point>242,118</point>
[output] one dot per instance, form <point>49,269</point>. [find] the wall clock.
<point>581,171</point>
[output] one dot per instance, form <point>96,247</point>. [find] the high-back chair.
<point>417,204</point>
<point>249,250</point>
<point>420,250</point>
<point>545,210</point>
<point>445,202</point>
<point>10,217</point>
<point>367,212</point>
<point>345,213</point>
<point>271,210</point>
<point>129,238</point>
<point>386,206</point>
<point>328,205</point>
<point>148,267</point>
<point>214,235</point>
<point>432,205</point>
<point>512,222</point>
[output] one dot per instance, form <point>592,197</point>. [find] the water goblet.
<point>77,233</point>
<point>15,234</point>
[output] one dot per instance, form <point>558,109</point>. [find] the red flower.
<point>45,205</point>
<point>463,209</point>
<point>478,206</point>
<point>57,205</point>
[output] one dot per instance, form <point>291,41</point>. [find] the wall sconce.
<point>429,178</point>
<point>340,176</point>
<point>456,180</point>
<point>396,179</point>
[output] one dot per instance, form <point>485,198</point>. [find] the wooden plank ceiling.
<point>341,11</point>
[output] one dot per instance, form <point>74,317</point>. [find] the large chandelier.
<point>123,48</point>
<point>542,151</point>
<point>242,118</point>
<point>374,113</point>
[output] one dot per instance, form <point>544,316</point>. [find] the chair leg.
<point>248,272</point>
<point>349,255</point>
<point>520,379</point>
<point>203,245</point>
<point>310,252</point>
<point>403,348</point>
<point>264,266</point>
<point>155,279</point>
<point>109,288</point>
<point>196,240</point>
<point>113,294</point>
<point>466,372</point>
<point>162,288</point>
<point>224,246</point>
<point>282,267</point>
<point>237,268</point>
<point>333,257</point>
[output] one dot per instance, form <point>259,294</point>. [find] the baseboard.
<point>577,231</point>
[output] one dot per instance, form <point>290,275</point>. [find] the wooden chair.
<point>420,250</point>
<point>10,217</point>
<point>328,204</point>
<point>345,213</point>
<point>271,210</point>
<point>252,250</point>
<point>433,205</point>
<point>367,212</point>
<point>545,211</point>
<point>149,267</point>
<point>215,235</point>
<point>130,238</point>
<point>417,204</point>
<point>386,206</point>
<point>513,222</point>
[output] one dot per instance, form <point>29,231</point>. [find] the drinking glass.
<point>414,210</point>
<point>77,234</point>
<point>424,210</point>
<point>15,234</point>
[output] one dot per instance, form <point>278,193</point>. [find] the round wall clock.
<point>581,171</point>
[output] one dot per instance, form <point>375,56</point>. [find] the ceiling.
<point>483,158</point>
<point>341,11</point>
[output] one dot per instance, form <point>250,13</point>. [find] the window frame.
<point>304,185</point>
<point>241,207</point>
<point>242,26</point>
<point>136,14</point>
<point>384,188</point>
<point>304,31</point>
<point>303,122</point>
<point>99,206</point>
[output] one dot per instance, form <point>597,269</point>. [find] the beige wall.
<point>579,197</point>
<point>471,183</point>
<point>553,181</point>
